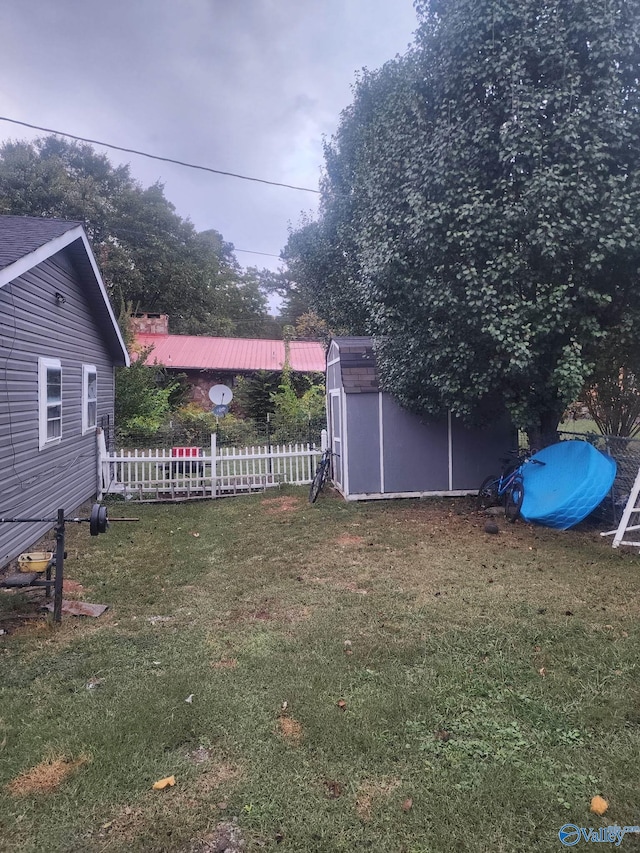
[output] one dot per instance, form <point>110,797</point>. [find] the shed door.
<point>335,421</point>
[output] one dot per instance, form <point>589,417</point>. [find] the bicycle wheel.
<point>488,492</point>
<point>515,496</point>
<point>318,481</point>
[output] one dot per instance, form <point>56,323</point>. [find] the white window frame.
<point>87,424</point>
<point>45,406</point>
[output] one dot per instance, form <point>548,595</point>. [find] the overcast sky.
<point>246,86</point>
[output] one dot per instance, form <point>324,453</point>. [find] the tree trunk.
<point>545,431</point>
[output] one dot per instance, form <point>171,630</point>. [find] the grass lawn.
<point>380,677</point>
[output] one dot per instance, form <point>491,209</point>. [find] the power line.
<point>157,157</point>
<point>252,252</point>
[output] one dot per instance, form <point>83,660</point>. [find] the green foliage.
<point>297,410</point>
<point>482,193</point>
<point>149,256</point>
<point>253,395</point>
<point>143,395</point>
<point>321,275</point>
<point>613,394</point>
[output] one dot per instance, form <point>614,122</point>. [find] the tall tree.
<point>149,256</point>
<point>488,184</point>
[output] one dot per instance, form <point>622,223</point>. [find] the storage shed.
<point>59,344</point>
<point>383,451</point>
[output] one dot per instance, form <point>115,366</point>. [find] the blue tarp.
<point>573,481</point>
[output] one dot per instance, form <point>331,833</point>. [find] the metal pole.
<point>269,442</point>
<point>58,581</point>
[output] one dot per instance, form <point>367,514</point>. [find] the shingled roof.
<point>358,365</point>
<point>22,235</point>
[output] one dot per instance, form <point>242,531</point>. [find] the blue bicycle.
<point>508,488</point>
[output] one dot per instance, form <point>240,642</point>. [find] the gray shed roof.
<point>27,241</point>
<point>358,365</point>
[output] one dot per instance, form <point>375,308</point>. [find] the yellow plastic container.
<point>35,561</point>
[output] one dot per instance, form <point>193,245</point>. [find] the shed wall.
<point>416,454</point>
<point>35,483</point>
<point>476,453</point>
<point>363,436</point>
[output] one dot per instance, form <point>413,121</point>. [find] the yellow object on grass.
<point>167,782</point>
<point>35,561</point>
<point>598,805</point>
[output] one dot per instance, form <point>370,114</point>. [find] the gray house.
<point>59,344</point>
<point>383,451</point>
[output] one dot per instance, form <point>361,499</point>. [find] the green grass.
<point>491,680</point>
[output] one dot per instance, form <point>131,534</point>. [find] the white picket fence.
<point>160,474</point>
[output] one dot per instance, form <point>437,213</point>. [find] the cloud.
<point>248,86</point>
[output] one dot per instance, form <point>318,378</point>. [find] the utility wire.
<point>157,157</point>
<point>253,252</point>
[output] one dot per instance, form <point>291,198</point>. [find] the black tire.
<point>488,493</point>
<point>319,479</point>
<point>515,496</point>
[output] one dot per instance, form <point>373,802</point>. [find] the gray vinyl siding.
<point>476,453</point>
<point>364,455</point>
<point>35,483</point>
<point>416,454</point>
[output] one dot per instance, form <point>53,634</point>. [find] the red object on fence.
<point>186,452</point>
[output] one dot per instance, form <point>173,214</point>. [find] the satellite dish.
<point>220,395</point>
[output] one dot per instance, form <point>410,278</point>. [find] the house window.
<point>89,397</point>
<point>49,401</point>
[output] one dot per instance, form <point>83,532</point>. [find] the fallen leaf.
<point>598,805</point>
<point>284,706</point>
<point>568,613</point>
<point>408,803</point>
<point>167,782</point>
<point>194,533</point>
<point>542,672</point>
<point>342,705</point>
<point>222,806</point>
<point>189,699</point>
<point>443,735</point>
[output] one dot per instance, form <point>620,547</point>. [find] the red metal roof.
<point>201,353</point>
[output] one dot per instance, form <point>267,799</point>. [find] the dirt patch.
<point>269,610</point>
<point>72,587</point>
<point>200,755</point>
<point>290,729</point>
<point>371,792</point>
<point>217,776</point>
<point>339,583</point>
<point>277,506</point>
<point>45,777</point>
<point>347,539</point>
<point>225,663</point>
<point>225,838</point>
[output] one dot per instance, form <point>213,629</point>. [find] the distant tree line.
<point>150,258</point>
